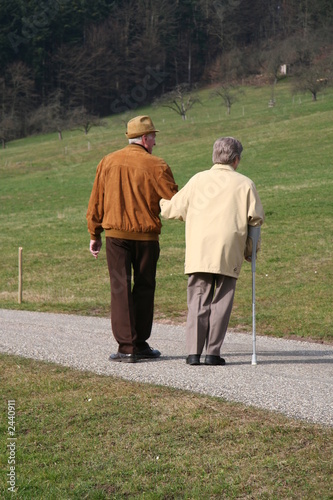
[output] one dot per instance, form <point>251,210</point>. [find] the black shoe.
<point>214,360</point>
<point>193,359</point>
<point>148,353</point>
<point>123,358</point>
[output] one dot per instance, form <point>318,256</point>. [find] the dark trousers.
<point>132,307</point>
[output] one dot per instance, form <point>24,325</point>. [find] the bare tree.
<point>314,74</point>
<point>8,129</point>
<point>16,100</point>
<point>20,87</point>
<point>311,80</point>
<point>228,93</point>
<point>82,120</point>
<point>180,100</point>
<point>274,58</point>
<point>49,117</point>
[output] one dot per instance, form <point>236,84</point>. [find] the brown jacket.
<point>125,197</point>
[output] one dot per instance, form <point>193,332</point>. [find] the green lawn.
<point>45,186</point>
<point>81,435</point>
<point>85,436</point>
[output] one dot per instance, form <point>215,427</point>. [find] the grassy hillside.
<point>45,186</point>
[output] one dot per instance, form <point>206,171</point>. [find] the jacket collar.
<point>138,145</point>
<point>221,166</point>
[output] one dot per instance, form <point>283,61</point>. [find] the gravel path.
<point>292,377</point>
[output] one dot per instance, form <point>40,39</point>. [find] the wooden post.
<point>20,275</point>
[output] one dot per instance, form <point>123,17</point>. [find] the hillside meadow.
<point>45,185</point>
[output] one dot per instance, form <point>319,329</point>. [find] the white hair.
<point>226,149</point>
<point>135,140</point>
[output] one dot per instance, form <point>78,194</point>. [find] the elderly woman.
<point>217,205</point>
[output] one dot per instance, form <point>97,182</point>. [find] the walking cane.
<point>254,234</point>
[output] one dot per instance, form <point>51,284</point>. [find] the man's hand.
<point>95,247</point>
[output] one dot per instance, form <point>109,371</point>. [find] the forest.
<point>66,63</point>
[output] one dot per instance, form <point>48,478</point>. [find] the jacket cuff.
<point>95,236</point>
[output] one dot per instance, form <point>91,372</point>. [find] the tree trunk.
<point>189,64</point>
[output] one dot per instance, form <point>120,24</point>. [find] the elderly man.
<point>217,205</point>
<point>124,203</point>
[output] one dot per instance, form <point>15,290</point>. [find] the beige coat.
<point>217,205</point>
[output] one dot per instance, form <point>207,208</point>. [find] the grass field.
<point>45,185</point>
<point>86,436</point>
<point>81,435</point>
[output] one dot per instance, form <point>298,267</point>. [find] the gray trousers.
<point>209,301</point>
